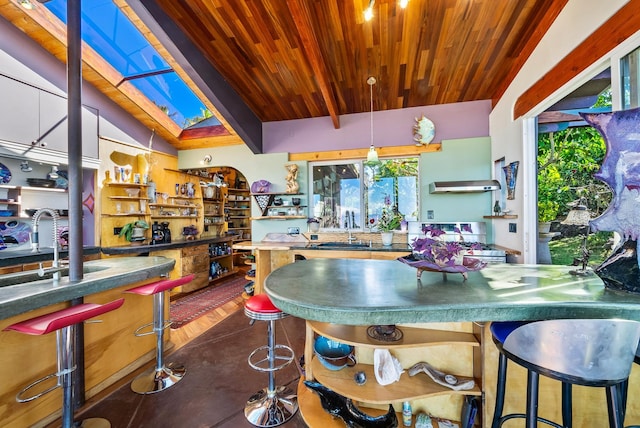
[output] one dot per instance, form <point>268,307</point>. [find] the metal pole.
<point>74,149</point>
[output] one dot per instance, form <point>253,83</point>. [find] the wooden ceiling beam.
<point>622,25</point>
<point>551,12</point>
<point>212,84</point>
<point>300,15</point>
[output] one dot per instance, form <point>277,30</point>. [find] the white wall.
<point>575,23</point>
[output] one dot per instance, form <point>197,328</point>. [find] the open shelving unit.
<point>408,388</point>
<point>270,211</point>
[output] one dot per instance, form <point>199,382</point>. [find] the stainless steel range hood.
<point>464,186</point>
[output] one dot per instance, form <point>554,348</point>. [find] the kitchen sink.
<point>32,275</point>
<point>342,245</point>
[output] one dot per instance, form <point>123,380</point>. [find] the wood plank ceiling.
<point>295,59</point>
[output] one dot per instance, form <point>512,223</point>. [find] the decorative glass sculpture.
<point>621,171</point>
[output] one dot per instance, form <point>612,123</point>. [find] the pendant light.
<point>372,155</point>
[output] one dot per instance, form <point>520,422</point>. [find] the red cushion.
<point>261,303</point>
<point>63,318</point>
<point>160,286</point>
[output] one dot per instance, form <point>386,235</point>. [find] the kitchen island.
<point>111,350</point>
<point>367,292</point>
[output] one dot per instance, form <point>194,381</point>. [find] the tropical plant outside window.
<point>567,160</point>
<point>351,195</point>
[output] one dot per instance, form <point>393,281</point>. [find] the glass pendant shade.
<point>372,155</point>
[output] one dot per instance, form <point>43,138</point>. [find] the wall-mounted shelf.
<point>506,216</point>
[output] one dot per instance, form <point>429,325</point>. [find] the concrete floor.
<point>217,384</point>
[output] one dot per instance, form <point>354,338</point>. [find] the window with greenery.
<point>351,194</point>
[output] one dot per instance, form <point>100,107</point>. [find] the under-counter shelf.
<point>314,415</point>
<point>406,389</point>
<point>412,337</point>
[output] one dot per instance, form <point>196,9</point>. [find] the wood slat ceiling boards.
<point>271,60</point>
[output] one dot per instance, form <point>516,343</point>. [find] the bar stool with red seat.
<point>161,376</point>
<point>273,405</point>
<point>63,322</point>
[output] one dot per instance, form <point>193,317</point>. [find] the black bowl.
<point>41,182</point>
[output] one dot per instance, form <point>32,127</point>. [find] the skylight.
<point>110,33</point>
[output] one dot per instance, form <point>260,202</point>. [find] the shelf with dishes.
<point>425,341</point>
<point>275,205</point>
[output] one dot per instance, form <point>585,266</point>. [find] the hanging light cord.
<point>371,116</point>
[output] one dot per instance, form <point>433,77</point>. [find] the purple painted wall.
<point>390,128</point>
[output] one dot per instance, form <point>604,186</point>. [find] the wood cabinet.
<point>195,260</point>
<point>37,119</point>
<point>418,344</point>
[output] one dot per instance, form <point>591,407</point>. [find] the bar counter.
<point>102,275</point>
<point>340,298</point>
<point>362,292</point>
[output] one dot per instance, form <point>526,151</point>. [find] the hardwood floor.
<point>185,334</point>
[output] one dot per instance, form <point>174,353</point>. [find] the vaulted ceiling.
<point>271,60</point>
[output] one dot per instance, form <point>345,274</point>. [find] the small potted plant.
<point>134,231</point>
<point>389,221</point>
<point>547,212</point>
<point>314,224</point>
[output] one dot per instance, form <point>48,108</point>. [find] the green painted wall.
<point>464,159</point>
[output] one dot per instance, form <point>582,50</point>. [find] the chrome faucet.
<point>351,239</point>
<point>35,241</point>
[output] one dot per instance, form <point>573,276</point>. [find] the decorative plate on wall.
<point>423,131</point>
<point>5,174</point>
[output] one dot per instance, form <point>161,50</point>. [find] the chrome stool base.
<point>269,410</point>
<point>154,380</point>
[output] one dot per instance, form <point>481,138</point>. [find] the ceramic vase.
<point>314,227</point>
<point>387,238</point>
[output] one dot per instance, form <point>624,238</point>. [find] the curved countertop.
<point>363,292</point>
<point>103,275</point>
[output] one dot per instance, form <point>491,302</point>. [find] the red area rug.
<point>188,308</point>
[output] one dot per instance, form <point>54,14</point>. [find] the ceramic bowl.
<point>132,192</point>
<point>332,354</point>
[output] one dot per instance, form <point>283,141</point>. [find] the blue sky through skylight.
<point>110,33</point>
